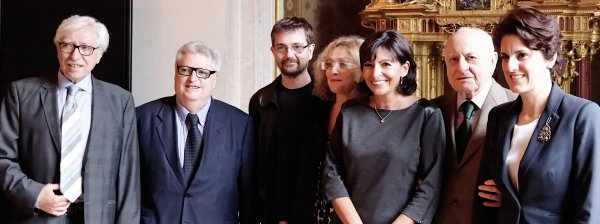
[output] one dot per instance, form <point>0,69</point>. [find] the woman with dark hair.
<point>543,149</point>
<point>385,159</point>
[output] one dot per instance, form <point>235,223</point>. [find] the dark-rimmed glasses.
<point>83,49</point>
<point>296,48</point>
<point>200,72</point>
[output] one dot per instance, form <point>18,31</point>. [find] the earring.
<point>401,80</point>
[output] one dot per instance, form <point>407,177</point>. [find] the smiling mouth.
<point>192,87</point>
<point>75,66</point>
<point>379,82</point>
<point>514,77</point>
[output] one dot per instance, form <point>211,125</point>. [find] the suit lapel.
<point>49,101</point>
<point>507,123</point>
<point>475,144</point>
<point>535,146</point>
<point>167,134</point>
<point>212,137</point>
<point>449,120</point>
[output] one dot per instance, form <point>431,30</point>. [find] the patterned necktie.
<point>72,147</point>
<point>463,134</point>
<point>192,146</point>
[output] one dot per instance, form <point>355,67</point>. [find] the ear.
<point>405,68</point>
<point>552,61</point>
<point>494,59</point>
<point>99,56</point>
<point>311,49</point>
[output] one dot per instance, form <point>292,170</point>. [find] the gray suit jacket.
<point>30,153</point>
<point>460,179</point>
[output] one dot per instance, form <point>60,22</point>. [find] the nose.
<point>376,70</point>
<point>462,63</point>
<point>194,76</point>
<point>289,52</point>
<point>335,69</point>
<point>75,54</point>
<point>512,64</point>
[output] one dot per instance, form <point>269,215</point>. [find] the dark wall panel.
<point>27,28</point>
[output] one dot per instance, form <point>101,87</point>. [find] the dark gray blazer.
<point>559,180</point>
<point>30,152</point>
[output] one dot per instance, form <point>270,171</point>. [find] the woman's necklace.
<point>382,118</point>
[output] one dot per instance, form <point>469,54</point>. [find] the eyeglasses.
<point>200,72</point>
<point>83,49</point>
<point>342,65</point>
<point>296,48</point>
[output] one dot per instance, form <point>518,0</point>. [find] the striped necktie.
<point>72,147</point>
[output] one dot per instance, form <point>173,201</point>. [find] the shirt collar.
<point>85,84</point>
<point>182,112</point>
<point>478,99</point>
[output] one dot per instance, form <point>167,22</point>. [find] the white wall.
<point>239,30</point>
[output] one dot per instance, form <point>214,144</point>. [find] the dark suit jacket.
<point>460,179</point>
<point>221,187</point>
<point>559,180</point>
<point>30,152</point>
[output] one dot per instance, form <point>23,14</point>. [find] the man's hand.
<point>51,203</point>
<point>490,192</point>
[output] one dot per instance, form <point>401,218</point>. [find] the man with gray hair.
<point>470,63</point>
<point>68,142</point>
<point>196,152</point>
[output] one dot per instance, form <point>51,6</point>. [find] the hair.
<point>76,22</point>
<point>197,47</point>
<point>292,23</point>
<point>537,30</point>
<point>351,44</point>
<point>480,34</point>
<point>400,50</point>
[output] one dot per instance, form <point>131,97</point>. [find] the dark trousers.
<point>75,213</point>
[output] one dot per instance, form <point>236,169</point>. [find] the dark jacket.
<point>558,179</point>
<point>220,190</point>
<point>264,110</point>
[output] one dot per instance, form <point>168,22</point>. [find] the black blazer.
<point>221,187</point>
<point>559,180</point>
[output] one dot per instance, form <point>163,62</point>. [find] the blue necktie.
<point>72,147</point>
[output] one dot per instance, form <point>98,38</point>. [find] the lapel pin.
<point>545,133</point>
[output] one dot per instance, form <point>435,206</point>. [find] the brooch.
<point>545,133</point>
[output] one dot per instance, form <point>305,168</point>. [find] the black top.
<point>388,168</point>
<point>294,105</point>
<point>291,135</point>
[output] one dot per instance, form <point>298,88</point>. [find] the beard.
<point>292,72</point>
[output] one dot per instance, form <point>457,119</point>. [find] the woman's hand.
<point>403,219</point>
<point>345,210</point>
<point>490,192</point>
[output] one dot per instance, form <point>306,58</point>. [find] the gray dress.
<point>389,168</point>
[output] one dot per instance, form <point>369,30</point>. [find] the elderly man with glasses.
<point>68,141</point>
<point>196,152</point>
